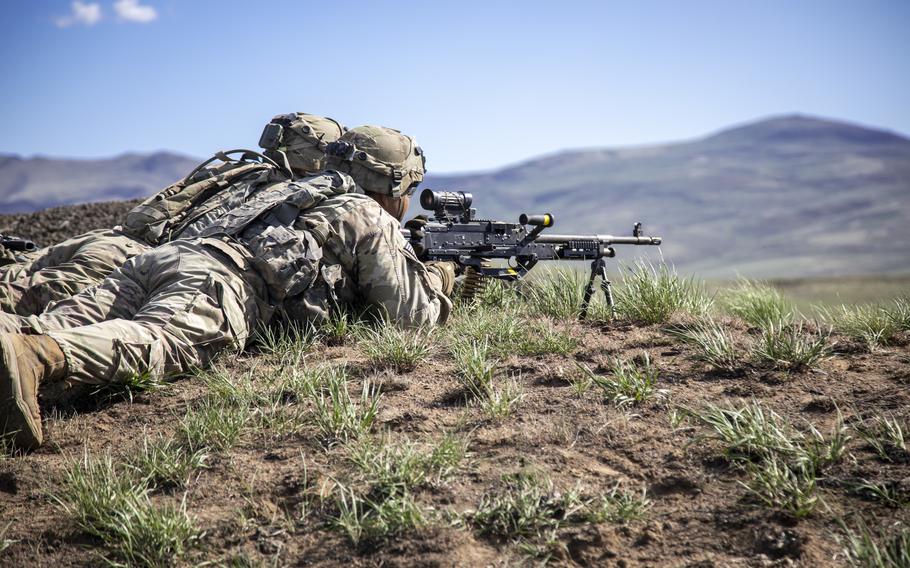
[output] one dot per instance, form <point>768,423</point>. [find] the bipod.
<point>598,268</point>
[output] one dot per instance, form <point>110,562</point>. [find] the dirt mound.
<point>60,223</point>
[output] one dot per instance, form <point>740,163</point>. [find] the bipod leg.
<point>589,291</point>
<point>607,288</point>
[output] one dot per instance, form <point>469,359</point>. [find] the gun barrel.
<point>546,238</point>
<point>18,245</point>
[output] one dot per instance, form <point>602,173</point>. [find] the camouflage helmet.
<point>298,140</point>
<point>381,160</point>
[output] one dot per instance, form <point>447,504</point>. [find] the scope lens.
<point>452,201</point>
<point>428,199</point>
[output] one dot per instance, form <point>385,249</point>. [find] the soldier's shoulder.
<point>329,183</point>
<point>351,206</point>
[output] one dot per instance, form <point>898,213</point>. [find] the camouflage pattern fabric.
<point>381,160</point>
<point>167,311</point>
<point>62,270</point>
<point>183,209</point>
<point>286,257</point>
<point>299,140</point>
<point>7,257</point>
<point>164,216</point>
<point>366,262</point>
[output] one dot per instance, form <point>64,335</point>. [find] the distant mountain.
<point>787,196</point>
<point>29,184</point>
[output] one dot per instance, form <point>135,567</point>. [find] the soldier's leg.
<point>119,295</point>
<point>14,278</point>
<point>199,304</point>
<point>89,265</point>
<point>47,256</point>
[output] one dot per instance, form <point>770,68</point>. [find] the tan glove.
<point>445,271</point>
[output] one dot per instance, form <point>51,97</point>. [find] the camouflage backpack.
<point>168,213</point>
<point>283,253</point>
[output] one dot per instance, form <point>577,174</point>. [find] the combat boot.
<point>26,361</point>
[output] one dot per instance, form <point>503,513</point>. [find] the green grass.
<point>130,386</point>
<point>580,379</point>
<point>475,370</point>
<point>630,383</point>
<point>528,508</point>
<point>502,330</point>
<point>366,520</point>
<point>109,503</point>
<point>526,505</point>
<point>507,331</point>
<point>297,383</point>
<point>546,341</point>
<point>754,432</point>
<point>886,435</point>
<point>391,471</point>
<point>500,400</point>
<point>164,462</point>
<point>778,485</point>
<point>557,293</point>
<point>792,347</point>
<point>402,466</point>
<point>230,389</point>
<point>781,463</point>
<point>887,493</point>
<point>289,341</point>
<point>497,294</point>
<point>337,416</point>
<point>620,505</point>
<point>474,367</point>
<point>389,347</point>
<point>214,425</point>
<point>341,327</point>
<point>714,344</point>
<point>653,294</point>
<point>757,303</point>
<point>883,548</point>
<point>874,325</point>
<point>899,313</point>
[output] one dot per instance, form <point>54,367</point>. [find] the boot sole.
<point>15,415</point>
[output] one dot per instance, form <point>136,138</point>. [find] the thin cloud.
<point>81,14</point>
<point>133,11</point>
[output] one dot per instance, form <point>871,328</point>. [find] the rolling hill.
<point>783,197</point>
<point>30,184</point>
<point>788,196</point>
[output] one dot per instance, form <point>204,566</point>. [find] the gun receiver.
<point>454,235</point>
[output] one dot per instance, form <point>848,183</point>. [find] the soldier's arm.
<point>388,274</point>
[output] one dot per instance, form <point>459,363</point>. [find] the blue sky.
<point>480,84</point>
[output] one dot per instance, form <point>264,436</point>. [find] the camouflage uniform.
<point>7,256</point>
<point>181,210</point>
<point>307,245</point>
<point>61,271</point>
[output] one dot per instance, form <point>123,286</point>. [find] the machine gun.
<point>454,235</point>
<point>16,244</point>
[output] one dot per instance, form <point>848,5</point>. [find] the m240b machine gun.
<point>454,235</point>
